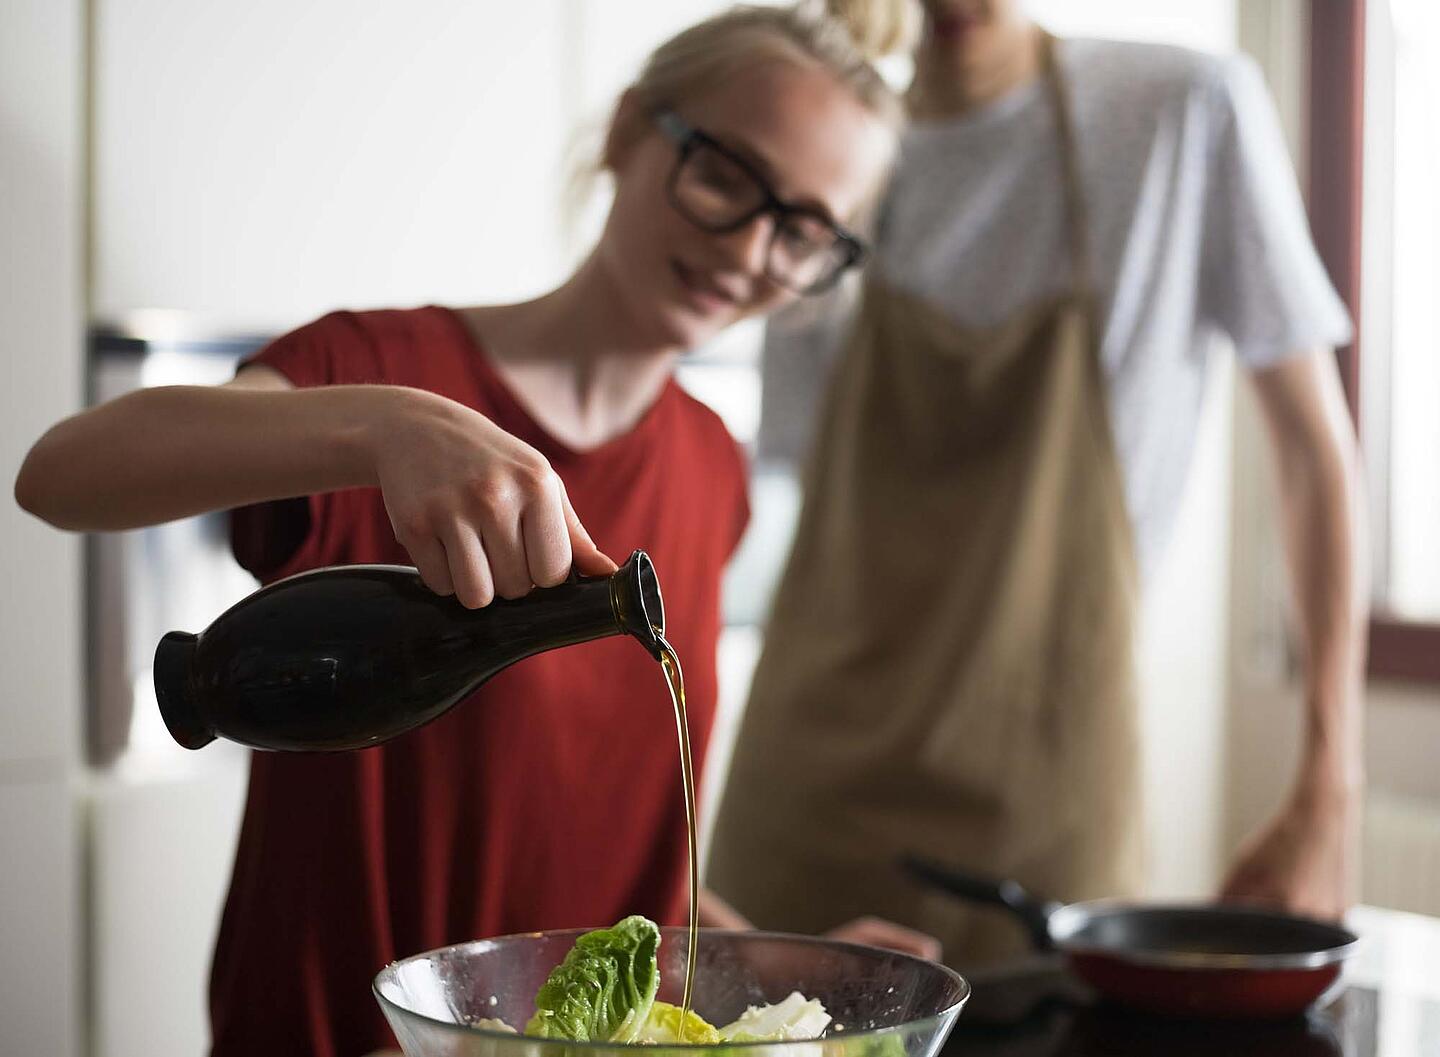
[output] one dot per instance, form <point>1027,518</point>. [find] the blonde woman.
<point>473,442</point>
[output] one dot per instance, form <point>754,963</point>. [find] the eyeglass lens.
<point>717,192</point>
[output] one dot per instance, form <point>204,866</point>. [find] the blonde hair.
<point>841,37</point>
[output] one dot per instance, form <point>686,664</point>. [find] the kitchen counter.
<point>1389,1007</point>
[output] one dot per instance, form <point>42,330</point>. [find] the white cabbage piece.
<point>793,1017</point>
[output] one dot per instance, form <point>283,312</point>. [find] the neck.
<point>947,85</point>
<point>581,364</point>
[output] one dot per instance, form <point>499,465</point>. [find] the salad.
<point>604,991</point>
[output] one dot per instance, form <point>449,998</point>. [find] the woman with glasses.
<point>999,457</point>
<point>473,442</point>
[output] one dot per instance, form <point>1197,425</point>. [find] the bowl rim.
<point>950,1010</point>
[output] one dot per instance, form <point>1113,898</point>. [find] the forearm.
<point>165,453</point>
<point>1325,543</point>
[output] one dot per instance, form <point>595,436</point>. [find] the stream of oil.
<point>675,680</point>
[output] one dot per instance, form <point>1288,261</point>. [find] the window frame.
<point>1399,649</point>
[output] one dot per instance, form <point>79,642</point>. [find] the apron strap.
<point>1077,225</point>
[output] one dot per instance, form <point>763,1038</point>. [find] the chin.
<point>683,327</point>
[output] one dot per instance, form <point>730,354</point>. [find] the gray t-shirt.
<point>1196,229</point>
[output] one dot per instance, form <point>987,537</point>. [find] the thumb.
<point>589,559</point>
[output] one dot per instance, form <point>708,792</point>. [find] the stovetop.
<point>1035,1009</point>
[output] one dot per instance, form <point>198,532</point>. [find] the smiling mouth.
<point>706,295</point>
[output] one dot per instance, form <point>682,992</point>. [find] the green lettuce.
<point>667,1025</point>
<point>604,989</point>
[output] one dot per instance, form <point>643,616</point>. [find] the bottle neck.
<point>636,601</point>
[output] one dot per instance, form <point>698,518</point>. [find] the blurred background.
<point>180,180</point>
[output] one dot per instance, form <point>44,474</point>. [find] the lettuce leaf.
<point>604,989</point>
<point>664,1026</point>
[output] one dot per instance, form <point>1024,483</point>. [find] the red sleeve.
<point>740,503</point>
<point>276,539</point>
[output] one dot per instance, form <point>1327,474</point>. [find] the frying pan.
<point>1185,959</point>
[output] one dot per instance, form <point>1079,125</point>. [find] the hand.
<point>878,932</point>
<point>716,913</point>
<point>1300,862</point>
<point>480,512</point>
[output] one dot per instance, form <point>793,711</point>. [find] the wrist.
<point>1327,783</point>
<point>371,425</point>
<point>1332,763</point>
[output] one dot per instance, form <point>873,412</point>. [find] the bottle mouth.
<point>639,607</point>
<point>173,658</point>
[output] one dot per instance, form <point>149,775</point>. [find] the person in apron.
<point>948,667</point>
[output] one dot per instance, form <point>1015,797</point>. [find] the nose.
<point>746,248</point>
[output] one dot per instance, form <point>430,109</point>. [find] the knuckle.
<point>492,492</point>
<point>536,475</point>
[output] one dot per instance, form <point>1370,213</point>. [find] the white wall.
<point>41,303</point>
<point>268,161</point>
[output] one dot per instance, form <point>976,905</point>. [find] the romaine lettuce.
<point>664,1026</point>
<point>604,989</point>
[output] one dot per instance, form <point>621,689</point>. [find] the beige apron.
<point>948,668</point>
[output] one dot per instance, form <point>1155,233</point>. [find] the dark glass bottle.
<point>349,656</point>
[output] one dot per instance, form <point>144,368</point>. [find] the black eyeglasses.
<point>720,192</point>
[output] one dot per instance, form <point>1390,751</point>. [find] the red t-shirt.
<point>550,799</point>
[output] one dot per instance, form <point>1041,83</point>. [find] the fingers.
<point>878,932</point>
<point>490,527</point>
<point>588,558</point>
<point>430,559</point>
<point>470,572</point>
<point>505,547</point>
<point>546,536</point>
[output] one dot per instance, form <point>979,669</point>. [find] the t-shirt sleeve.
<point>802,344</point>
<point>278,538</point>
<point>740,500</point>
<point>1262,281</point>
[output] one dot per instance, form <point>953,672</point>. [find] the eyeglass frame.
<point>686,138</point>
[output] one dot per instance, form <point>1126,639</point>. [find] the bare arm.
<point>1305,858</point>
<point>480,512</point>
<point>155,455</point>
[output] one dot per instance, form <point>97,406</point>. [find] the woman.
<point>997,465</point>
<point>467,441</point>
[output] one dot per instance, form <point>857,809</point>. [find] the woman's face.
<point>960,31</point>
<point>807,137</point>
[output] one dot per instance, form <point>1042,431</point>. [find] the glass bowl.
<point>882,1004</point>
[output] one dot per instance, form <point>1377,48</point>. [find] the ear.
<point>627,127</point>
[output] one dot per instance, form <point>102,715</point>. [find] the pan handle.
<point>1034,913</point>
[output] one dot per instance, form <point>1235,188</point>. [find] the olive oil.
<point>675,680</point>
